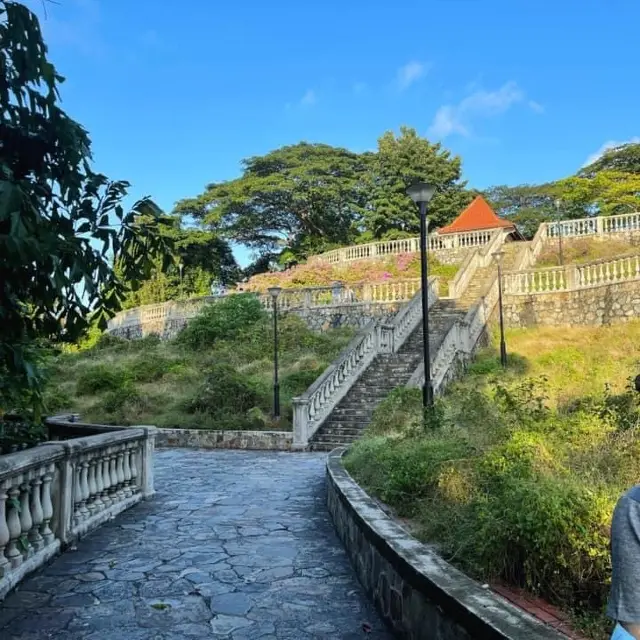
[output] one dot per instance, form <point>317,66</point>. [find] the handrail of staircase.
<point>315,405</point>
<point>460,342</point>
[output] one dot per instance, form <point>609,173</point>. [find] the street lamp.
<point>558,204</point>
<point>498,256</point>
<point>274,292</point>
<point>181,267</point>
<point>421,193</point>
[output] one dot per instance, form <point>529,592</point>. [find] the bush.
<point>149,366</point>
<point>224,392</point>
<point>223,320</point>
<point>100,377</point>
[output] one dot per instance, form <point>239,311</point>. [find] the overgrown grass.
<point>581,250</point>
<point>517,472</point>
<point>217,374</point>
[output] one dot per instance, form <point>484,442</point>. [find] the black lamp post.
<point>498,257</point>
<point>275,292</point>
<point>181,267</point>
<point>421,193</point>
<point>558,204</point>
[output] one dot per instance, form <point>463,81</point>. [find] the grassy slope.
<point>519,479</point>
<point>225,385</point>
<point>581,250</point>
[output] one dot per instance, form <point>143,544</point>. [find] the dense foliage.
<point>216,374</point>
<point>517,480</point>
<point>62,226</point>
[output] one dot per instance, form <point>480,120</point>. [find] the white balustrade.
<point>316,404</point>
<point>58,491</point>
<point>623,223</point>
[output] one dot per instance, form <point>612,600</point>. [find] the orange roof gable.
<point>478,215</point>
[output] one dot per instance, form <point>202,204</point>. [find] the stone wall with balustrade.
<point>62,489</point>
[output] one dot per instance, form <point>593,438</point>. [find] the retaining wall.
<point>598,305</point>
<point>418,594</point>
<point>203,439</point>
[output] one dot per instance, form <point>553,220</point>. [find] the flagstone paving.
<point>235,544</point>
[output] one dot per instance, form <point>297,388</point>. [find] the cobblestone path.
<point>235,545</point>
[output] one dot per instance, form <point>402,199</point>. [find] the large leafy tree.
<point>400,161</point>
<point>295,201</point>
<point>62,226</point>
<point>624,158</point>
<point>201,258</point>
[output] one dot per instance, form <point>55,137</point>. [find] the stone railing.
<point>58,491</point>
<point>312,408</point>
<point>437,242</point>
<point>570,277</point>
<point>479,259</point>
<point>460,342</point>
<point>624,223</point>
<point>157,315</point>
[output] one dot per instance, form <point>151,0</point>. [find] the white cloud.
<point>611,144</point>
<point>410,73</point>
<point>536,106</point>
<point>458,118</point>
<point>309,98</point>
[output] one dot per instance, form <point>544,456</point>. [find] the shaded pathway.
<point>235,545</point>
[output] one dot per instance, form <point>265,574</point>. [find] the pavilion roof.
<point>477,216</point>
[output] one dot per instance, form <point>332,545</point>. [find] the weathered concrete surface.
<point>236,544</point>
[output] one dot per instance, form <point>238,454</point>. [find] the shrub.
<point>149,366</point>
<point>224,391</point>
<point>223,320</point>
<point>100,377</point>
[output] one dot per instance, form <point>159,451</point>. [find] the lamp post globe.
<point>421,194</point>
<point>274,292</point>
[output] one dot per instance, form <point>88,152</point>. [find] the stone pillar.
<point>300,434</point>
<point>148,447</point>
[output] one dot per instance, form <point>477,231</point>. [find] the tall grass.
<point>516,478</point>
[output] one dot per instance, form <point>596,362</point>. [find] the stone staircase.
<point>388,371</point>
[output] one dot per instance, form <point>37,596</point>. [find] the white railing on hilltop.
<point>571,277</point>
<point>55,492</point>
<point>623,223</point>
<point>390,292</point>
<point>382,248</point>
<point>313,407</point>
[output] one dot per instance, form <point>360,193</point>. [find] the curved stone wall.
<point>419,595</point>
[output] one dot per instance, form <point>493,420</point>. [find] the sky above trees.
<point>523,92</point>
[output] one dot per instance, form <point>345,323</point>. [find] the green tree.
<point>624,158</point>
<point>61,225</point>
<point>296,200</point>
<point>400,161</point>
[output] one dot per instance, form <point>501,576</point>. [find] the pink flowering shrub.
<point>312,274</point>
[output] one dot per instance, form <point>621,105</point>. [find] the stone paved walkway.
<point>235,545</point>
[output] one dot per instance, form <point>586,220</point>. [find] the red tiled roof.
<point>478,215</point>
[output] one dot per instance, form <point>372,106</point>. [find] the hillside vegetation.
<point>396,267</point>
<point>217,374</point>
<point>516,474</point>
<point>582,250</point>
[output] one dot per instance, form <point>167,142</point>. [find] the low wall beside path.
<point>62,489</point>
<point>210,439</point>
<point>418,594</point>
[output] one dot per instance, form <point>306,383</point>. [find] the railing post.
<point>336,292</point>
<point>599,225</point>
<point>148,447</point>
<point>300,431</point>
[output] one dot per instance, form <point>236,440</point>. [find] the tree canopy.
<point>62,226</point>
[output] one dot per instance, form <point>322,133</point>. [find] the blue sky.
<point>174,95</point>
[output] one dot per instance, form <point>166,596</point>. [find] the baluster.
<point>26,522</point>
<point>84,488</point>
<point>548,284</point>
<point>47,506</point>
<point>134,468</point>
<point>37,514</point>
<point>120,473</point>
<point>127,471</point>
<point>97,502</point>
<point>113,476</point>
<point>106,481</point>
<point>4,530</point>
<point>637,267</point>
<point>92,489</point>
<point>13,522</point>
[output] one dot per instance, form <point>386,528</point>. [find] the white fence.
<point>312,408</point>
<point>58,491</point>
<point>437,242</point>
<point>624,223</point>
<point>570,277</point>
